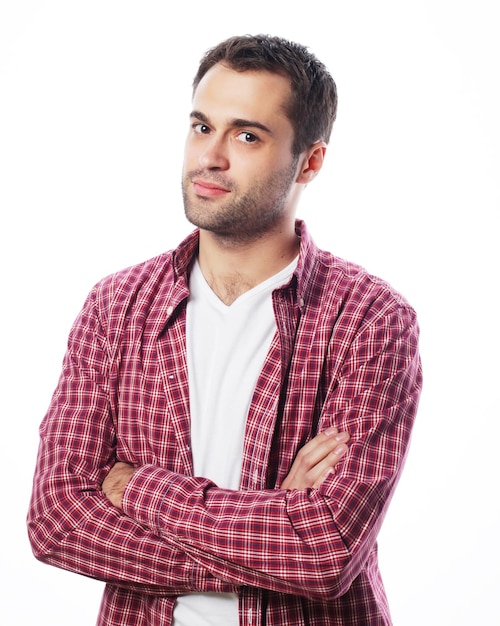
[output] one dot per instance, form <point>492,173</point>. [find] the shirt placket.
<point>250,607</point>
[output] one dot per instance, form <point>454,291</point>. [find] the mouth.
<point>208,189</point>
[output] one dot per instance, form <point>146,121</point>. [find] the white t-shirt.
<point>226,349</point>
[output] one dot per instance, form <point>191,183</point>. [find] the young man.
<point>195,453</point>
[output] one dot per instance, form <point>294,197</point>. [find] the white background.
<point>94,103</point>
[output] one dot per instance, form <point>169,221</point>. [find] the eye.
<point>200,128</point>
<point>246,137</point>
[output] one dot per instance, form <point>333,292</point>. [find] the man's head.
<point>262,114</point>
<point>313,103</point>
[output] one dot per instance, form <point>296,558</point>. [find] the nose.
<point>214,155</point>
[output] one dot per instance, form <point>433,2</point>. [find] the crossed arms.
<point>314,462</point>
<point>159,532</point>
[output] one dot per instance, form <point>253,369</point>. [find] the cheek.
<point>190,156</point>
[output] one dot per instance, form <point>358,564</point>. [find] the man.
<point>195,452</point>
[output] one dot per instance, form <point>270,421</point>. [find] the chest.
<point>151,408</point>
<point>226,350</point>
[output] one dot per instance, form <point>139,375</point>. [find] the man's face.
<point>239,171</point>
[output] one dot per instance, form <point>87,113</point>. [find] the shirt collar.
<point>305,270</point>
<point>184,255</point>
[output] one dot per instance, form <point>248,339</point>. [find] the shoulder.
<point>328,281</point>
<point>120,297</point>
<point>126,285</point>
<point>347,285</point>
<point>148,282</point>
<point>367,316</point>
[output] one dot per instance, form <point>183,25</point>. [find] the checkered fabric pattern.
<point>345,354</point>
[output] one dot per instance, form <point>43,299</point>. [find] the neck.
<point>232,269</point>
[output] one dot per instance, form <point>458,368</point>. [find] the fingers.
<point>328,448</point>
<point>115,482</point>
<point>325,467</point>
<point>317,459</point>
<point>318,449</point>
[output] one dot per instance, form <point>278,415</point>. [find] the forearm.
<point>308,542</point>
<point>281,540</point>
<point>72,525</point>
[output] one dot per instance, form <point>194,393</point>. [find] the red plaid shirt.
<point>345,354</point>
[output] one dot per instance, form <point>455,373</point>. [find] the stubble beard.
<point>245,217</point>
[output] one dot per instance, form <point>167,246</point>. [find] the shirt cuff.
<point>145,493</point>
<point>162,500</point>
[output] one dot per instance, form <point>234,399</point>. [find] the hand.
<point>115,482</point>
<point>316,460</point>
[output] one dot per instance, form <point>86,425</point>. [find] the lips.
<point>208,189</point>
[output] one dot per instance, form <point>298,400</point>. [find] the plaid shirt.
<point>345,353</point>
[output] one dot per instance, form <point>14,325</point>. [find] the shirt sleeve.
<point>71,524</point>
<point>311,542</point>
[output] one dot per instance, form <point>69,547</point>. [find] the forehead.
<point>259,95</point>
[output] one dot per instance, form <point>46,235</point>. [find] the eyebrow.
<point>236,122</point>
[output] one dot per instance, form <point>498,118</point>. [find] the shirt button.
<point>170,310</point>
<point>301,302</point>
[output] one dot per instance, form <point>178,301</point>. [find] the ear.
<point>312,162</point>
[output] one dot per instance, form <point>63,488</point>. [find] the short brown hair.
<point>313,106</point>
